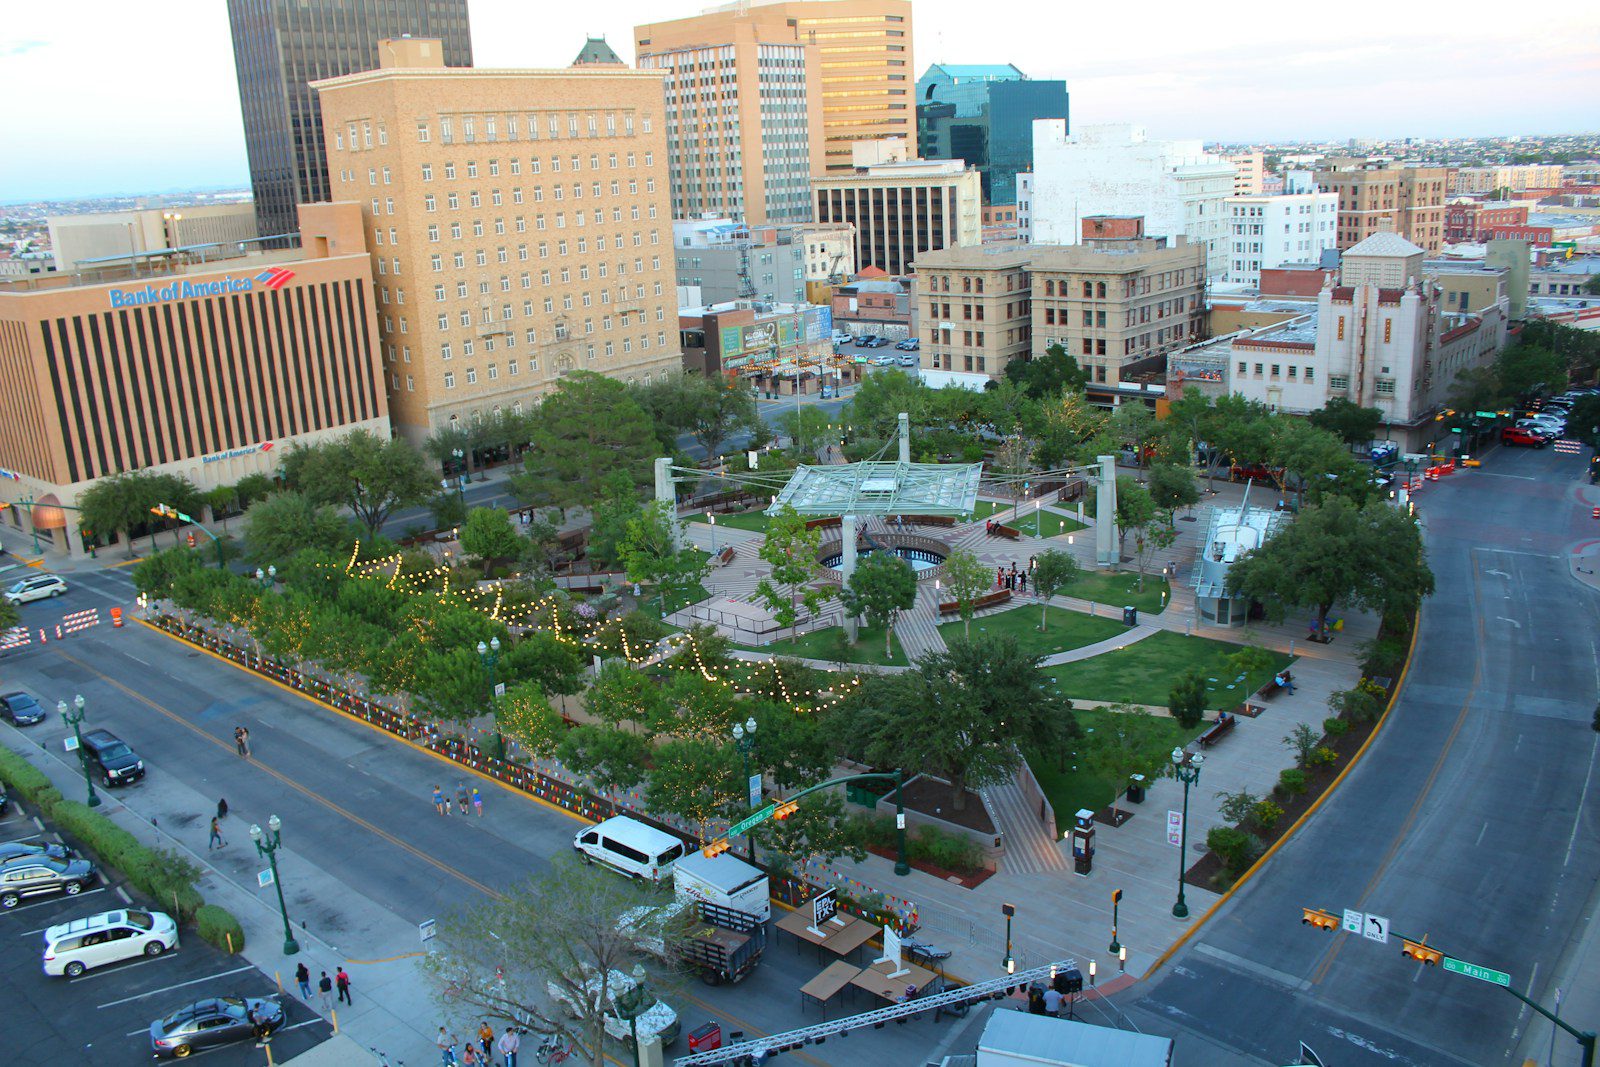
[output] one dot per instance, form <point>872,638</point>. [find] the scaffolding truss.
<point>881,488</point>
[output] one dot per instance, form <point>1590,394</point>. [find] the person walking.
<point>342,980</point>
<point>440,804</point>
<point>463,798</point>
<point>325,988</point>
<point>216,840</point>
<point>302,977</point>
<point>477,806</point>
<point>510,1045</point>
<point>447,1048</point>
<point>241,738</point>
<point>222,808</point>
<point>1022,581</point>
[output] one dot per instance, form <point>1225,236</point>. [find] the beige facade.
<point>519,224</point>
<point>76,238</point>
<point>975,306</point>
<point>901,210</point>
<point>1115,303</point>
<point>1249,173</point>
<point>1471,181</point>
<point>1407,200</point>
<point>744,121</point>
<point>867,73</point>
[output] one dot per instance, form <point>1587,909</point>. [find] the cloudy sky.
<point>128,96</point>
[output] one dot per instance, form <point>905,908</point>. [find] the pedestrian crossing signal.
<point>1421,952</point>
<point>1319,918</point>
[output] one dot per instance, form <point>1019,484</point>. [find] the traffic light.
<point>786,809</point>
<point>715,848</point>
<point>1419,951</point>
<point>1319,918</point>
<point>164,511</point>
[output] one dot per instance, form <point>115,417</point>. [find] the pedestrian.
<point>447,1048</point>
<point>302,976</point>
<point>463,798</point>
<point>440,805</point>
<point>1000,577</point>
<point>216,840</point>
<point>342,980</point>
<point>469,1055</point>
<point>510,1044</point>
<point>325,987</point>
<point>241,738</point>
<point>1052,1001</point>
<point>486,1040</point>
<point>477,806</point>
<point>222,808</point>
<point>1035,1001</point>
<point>1022,580</point>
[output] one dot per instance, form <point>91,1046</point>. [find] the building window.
<point>1311,375</point>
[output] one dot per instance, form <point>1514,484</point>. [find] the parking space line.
<point>41,903</point>
<point>118,970</point>
<point>18,840</point>
<point>168,989</point>
<point>296,1026</point>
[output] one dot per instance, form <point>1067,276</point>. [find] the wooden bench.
<point>1272,688</point>
<point>988,600</point>
<point>1010,533</point>
<point>1223,724</point>
<point>723,558</point>
<point>822,524</point>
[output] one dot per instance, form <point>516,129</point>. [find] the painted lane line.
<point>168,989</point>
<point>42,903</point>
<point>1577,816</point>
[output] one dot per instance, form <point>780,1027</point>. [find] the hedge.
<point>219,927</point>
<point>27,780</point>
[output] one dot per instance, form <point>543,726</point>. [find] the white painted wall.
<point>1265,232</point>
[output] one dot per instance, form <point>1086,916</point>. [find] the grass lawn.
<point>1069,790</point>
<point>827,644</point>
<point>1143,672</point>
<point>1068,629</point>
<point>1119,589</point>
<point>754,521</point>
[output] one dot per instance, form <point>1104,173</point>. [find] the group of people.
<point>325,986</point>
<point>1013,579</point>
<point>479,1053</point>
<point>464,797</point>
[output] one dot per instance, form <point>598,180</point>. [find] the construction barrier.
<point>77,621</point>
<point>116,618</point>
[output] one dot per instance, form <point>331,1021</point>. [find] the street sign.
<point>426,930</point>
<point>1472,970</point>
<point>755,789</point>
<point>70,743</point>
<point>1175,829</point>
<point>1354,922</point>
<point>1376,929</point>
<point>755,818</point>
<point>499,689</point>
<point>1487,414</point>
<point>264,878</point>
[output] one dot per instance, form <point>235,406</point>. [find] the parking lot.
<point>104,1016</point>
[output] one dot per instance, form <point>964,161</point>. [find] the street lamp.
<point>72,718</point>
<point>1188,773</point>
<point>711,517</point>
<point>1010,964</point>
<point>744,737</point>
<point>267,577</point>
<point>267,845</point>
<point>489,656</point>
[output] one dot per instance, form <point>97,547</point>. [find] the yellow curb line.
<point>1289,833</point>
<point>388,959</point>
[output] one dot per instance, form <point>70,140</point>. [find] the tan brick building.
<point>903,207</point>
<point>1407,200</point>
<point>867,74</point>
<point>519,226</point>
<point>975,307</point>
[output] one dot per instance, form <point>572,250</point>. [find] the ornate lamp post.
<point>489,656</point>
<point>268,578</point>
<point>72,718</point>
<point>267,844</point>
<point>744,738</point>
<point>1187,772</point>
<point>1010,964</point>
<point>711,517</point>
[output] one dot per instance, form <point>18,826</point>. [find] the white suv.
<point>39,587</point>
<point>73,947</point>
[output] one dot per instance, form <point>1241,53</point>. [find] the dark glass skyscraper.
<point>280,46</point>
<point>984,114</point>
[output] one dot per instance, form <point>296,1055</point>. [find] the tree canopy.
<point>882,586</point>
<point>588,428</point>
<point>370,476</point>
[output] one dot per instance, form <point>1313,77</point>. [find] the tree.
<point>220,499</point>
<point>1172,487</point>
<point>791,550</point>
<point>711,409</point>
<point>370,476</point>
<point>1307,456</point>
<point>621,695</point>
<point>882,586</point>
<point>1241,428</point>
<point>818,830</point>
<point>806,428</point>
<point>1583,421</point>
<point>1053,571</point>
<point>1185,425</point>
<point>1136,426</point>
<point>495,958</point>
<point>1477,389</point>
<point>288,521</point>
<point>1158,533</point>
<point>1334,551</point>
<point>448,509</point>
<point>1592,286</point>
<point>967,578</point>
<point>451,683</point>
<point>9,614</point>
<point>1527,370</point>
<point>588,428</point>
<point>874,412</point>
<point>617,505</point>
<point>795,748</point>
<point>1131,742</point>
<point>1048,375</point>
<point>649,554</point>
<point>524,715</point>
<point>1348,421</point>
<point>696,779</point>
<point>1135,510</point>
<point>1187,701</point>
<point>116,505</point>
<point>612,759</point>
<point>489,535</point>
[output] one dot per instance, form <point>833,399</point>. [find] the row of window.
<point>502,255</point>
<point>535,166</point>
<point>1296,373</point>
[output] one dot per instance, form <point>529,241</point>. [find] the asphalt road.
<point>1471,819</point>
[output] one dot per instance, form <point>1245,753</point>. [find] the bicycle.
<point>552,1050</point>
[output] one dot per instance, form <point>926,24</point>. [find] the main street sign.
<point>1472,970</point>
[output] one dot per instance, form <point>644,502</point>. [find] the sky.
<point>139,96</point>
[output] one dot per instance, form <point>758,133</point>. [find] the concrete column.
<point>847,564</point>
<point>1105,514</point>
<point>666,493</point>
<point>905,438</point>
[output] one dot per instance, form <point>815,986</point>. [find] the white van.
<point>725,880</point>
<point>629,846</point>
<point>74,947</point>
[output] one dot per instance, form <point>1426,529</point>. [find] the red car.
<point>1517,435</point>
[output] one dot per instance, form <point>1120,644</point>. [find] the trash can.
<point>1130,616</point>
<point>1135,789</point>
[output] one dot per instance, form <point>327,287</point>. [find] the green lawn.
<point>1143,672</point>
<point>1069,790</point>
<point>1068,629</point>
<point>828,644</point>
<point>1119,589</point>
<point>754,521</point>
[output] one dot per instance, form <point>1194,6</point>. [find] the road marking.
<point>19,840</point>
<point>41,903</point>
<point>296,1026</point>
<point>1577,815</point>
<point>92,975</point>
<point>1481,831</point>
<point>170,988</point>
<point>1260,970</point>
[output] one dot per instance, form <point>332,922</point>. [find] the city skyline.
<point>1247,78</point>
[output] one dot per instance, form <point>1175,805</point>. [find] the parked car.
<point>1519,435</point>
<point>15,850</point>
<point>217,1021</point>
<point>865,340</point>
<point>629,1004</point>
<point>636,849</point>
<point>910,344</point>
<point>35,876</point>
<point>883,361</point>
<point>907,361</point>
<point>20,709</point>
<point>39,587</point>
<point>110,757</point>
<point>71,948</point>
<point>878,342</point>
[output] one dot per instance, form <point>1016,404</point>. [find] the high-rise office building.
<point>744,122</point>
<point>519,226</point>
<point>984,114</point>
<point>280,47</point>
<point>902,207</point>
<point>1408,200</point>
<point>864,47</point>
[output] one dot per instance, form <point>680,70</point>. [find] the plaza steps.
<point>1029,846</point>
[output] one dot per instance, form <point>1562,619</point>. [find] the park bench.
<point>923,520</point>
<point>988,600</point>
<point>822,524</point>
<point>724,557</point>
<point>1214,734</point>
<point>1272,688</point>
<point>1010,533</point>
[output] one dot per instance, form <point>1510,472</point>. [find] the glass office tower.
<point>280,46</point>
<point>983,114</point>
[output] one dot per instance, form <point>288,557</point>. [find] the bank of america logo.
<point>276,278</point>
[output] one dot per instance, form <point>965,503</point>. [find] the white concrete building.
<point>1177,186</point>
<point>1025,207</point>
<point>1265,232</point>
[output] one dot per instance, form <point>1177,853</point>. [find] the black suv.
<point>111,758</point>
<point>31,876</point>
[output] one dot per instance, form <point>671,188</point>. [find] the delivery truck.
<point>724,880</point>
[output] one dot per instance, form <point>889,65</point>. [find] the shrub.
<point>944,848</point>
<point>27,780</point>
<point>1324,757</point>
<point>162,875</point>
<point>1334,727</point>
<point>1235,848</point>
<point>1266,815</point>
<point>1362,704</point>
<point>1384,655</point>
<point>1302,741</point>
<point>1187,700</point>
<point>1237,807</point>
<point>1292,781</point>
<point>220,928</point>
